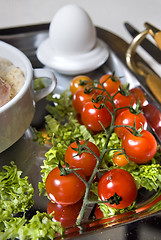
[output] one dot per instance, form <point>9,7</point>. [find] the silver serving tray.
<point>27,39</point>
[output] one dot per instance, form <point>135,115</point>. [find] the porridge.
<point>11,81</point>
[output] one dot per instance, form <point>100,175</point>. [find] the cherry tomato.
<point>153,115</point>
<point>158,132</point>
<point>98,213</point>
<point>63,213</point>
<point>64,190</point>
<point>75,83</point>
<point>86,160</point>
<point>139,96</point>
<point>140,149</point>
<point>120,182</point>
<point>123,101</point>
<point>78,116</point>
<point>127,118</point>
<point>91,116</point>
<point>119,159</point>
<point>111,83</point>
<point>80,98</point>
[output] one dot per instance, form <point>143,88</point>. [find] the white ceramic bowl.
<point>17,114</point>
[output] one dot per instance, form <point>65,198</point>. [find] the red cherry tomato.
<point>75,83</point>
<point>111,83</point>
<point>120,182</point>
<point>140,149</point>
<point>139,96</point>
<point>67,215</point>
<point>153,115</point>
<point>127,118</point>
<point>86,160</point>
<point>123,101</point>
<point>91,116</point>
<point>158,132</point>
<point>64,190</point>
<point>78,116</point>
<point>119,159</point>
<point>80,98</point>
<point>98,213</point>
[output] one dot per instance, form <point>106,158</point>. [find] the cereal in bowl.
<point>11,81</point>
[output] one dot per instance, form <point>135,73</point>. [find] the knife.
<point>153,50</point>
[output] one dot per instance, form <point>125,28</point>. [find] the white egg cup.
<point>73,64</point>
<point>72,46</point>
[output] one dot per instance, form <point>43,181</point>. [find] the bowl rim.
<point>28,78</point>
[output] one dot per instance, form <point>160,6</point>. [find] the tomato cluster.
<point>101,105</point>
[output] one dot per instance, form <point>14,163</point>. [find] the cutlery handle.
<point>154,83</point>
<point>155,32</point>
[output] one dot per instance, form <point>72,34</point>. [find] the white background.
<point>109,14</point>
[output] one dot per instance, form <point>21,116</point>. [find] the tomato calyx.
<point>132,129</point>
<point>84,82</point>
<point>98,99</point>
<point>81,147</point>
<point>88,89</point>
<point>136,132</point>
<point>64,170</point>
<point>115,199</point>
<point>114,78</point>
<point>136,110</point>
<point>124,90</point>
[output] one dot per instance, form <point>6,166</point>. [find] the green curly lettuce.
<point>146,175</point>
<point>16,193</point>
<point>40,226</point>
<point>62,106</point>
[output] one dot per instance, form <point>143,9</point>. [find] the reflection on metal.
<point>152,79</point>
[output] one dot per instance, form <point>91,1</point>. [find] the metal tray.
<point>27,39</point>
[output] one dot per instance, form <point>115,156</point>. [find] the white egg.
<point>71,31</point>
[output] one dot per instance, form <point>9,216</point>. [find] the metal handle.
<point>152,80</point>
<point>155,33</point>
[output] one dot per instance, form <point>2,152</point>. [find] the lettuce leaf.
<point>40,226</point>
<point>16,193</point>
<point>17,196</point>
<point>146,175</point>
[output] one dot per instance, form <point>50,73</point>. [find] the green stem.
<point>104,150</point>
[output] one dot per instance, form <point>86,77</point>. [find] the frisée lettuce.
<point>40,226</point>
<point>16,196</point>
<point>16,193</point>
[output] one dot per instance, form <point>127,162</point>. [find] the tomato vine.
<point>115,104</point>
